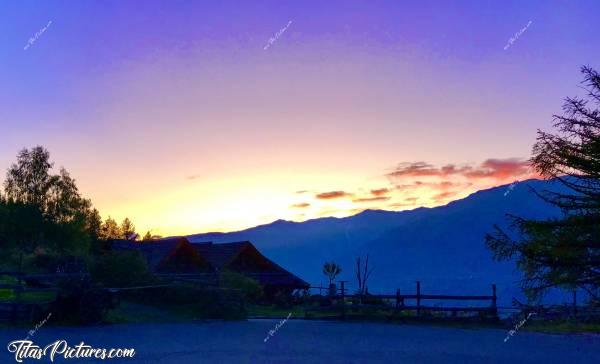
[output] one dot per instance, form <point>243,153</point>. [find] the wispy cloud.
<point>333,195</point>
<point>380,192</point>
<point>498,169</point>
<point>372,199</point>
<point>444,196</point>
<point>302,205</point>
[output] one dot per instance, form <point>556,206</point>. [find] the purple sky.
<point>173,113</point>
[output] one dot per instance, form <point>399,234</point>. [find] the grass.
<point>135,312</point>
<point>274,311</point>
<point>562,327</point>
<point>8,295</point>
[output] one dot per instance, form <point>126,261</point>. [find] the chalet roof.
<point>154,251</point>
<point>219,255</point>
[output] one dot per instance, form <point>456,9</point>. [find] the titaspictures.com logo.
<point>26,349</point>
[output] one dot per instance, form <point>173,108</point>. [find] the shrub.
<point>249,288</point>
<point>121,269</point>
<point>204,302</point>
<point>80,302</point>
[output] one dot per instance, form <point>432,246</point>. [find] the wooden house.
<point>177,256</point>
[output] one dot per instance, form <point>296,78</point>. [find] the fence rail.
<point>418,297</point>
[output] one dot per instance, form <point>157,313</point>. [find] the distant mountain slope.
<point>443,247</point>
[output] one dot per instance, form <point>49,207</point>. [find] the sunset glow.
<point>193,126</point>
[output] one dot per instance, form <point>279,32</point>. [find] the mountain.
<point>443,247</point>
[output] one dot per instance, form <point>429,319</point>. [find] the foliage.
<point>121,269</point>
<point>110,229</point>
<point>40,210</point>
<point>331,270</point>
<point>128,230</point>
<point>202,302</point>
<point>250,289</point>
<point>563,252</point>
<point>80,302</point>
<point>149,237</point>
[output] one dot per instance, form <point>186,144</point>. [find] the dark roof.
<point>221,255</point>
<point>154,251</point>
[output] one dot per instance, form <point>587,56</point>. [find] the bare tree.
<point>363,275</point>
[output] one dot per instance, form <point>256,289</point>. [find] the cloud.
<point>380,192</point>
<point>400,204</point>
<point>444,196</point>
<point>411,199</point>
<point>494,168</point>
<point>193,177</point>
<point>501,169</point>
<point>301,192</point>
<point>332,195</point>
<point>372,199</point>
<point>302,205</point>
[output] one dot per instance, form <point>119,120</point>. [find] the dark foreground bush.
<point>205,303</point>
<point>249,288</point>
<point>121,269</point>
<point>80,302</point>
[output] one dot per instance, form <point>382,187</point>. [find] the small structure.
<point>177,255</point>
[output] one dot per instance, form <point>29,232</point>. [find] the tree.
<point>362,277</point>
<point>45,212</point>
<point>149,237</point>
<point>110,230</point>
<point>563,252</point>
<point>331,270</point>
<point>128,230</point>
<point>29,180</point>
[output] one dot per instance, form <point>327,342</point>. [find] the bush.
<point>204,302</point>
<point>249,288</point>
<point>80,302</point>
<point>121,269</point>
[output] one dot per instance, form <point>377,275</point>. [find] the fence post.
<point>494,299</point>
<point>418,298</point>
<point>575,303</point>
<point>343,300</point>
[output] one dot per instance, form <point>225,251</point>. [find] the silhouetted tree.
<point>362,276</point>
<point>110,230</point>
<point>43,212</point>
<point>563,252</point>
<point>147,236</point>
<point>128,230</point>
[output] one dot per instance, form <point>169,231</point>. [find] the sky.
<point>197,116</point>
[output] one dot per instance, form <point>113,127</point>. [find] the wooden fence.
<point>399,301</point>
<point>15,310</point>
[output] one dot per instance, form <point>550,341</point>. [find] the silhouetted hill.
<point>443,246</point>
